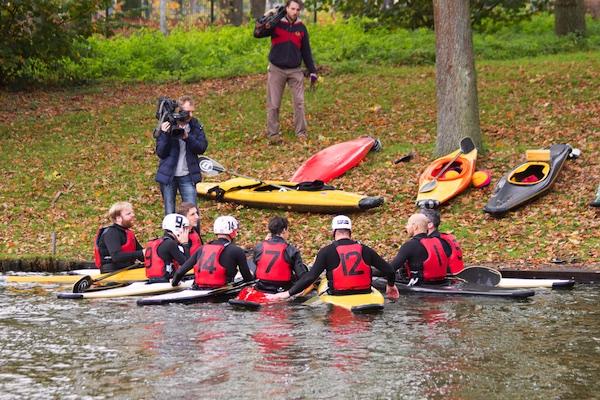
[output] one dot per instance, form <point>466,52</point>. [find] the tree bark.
<point>163,17</point>
<point>233,11</point>
<point>456,82</point>
<point>257,8</point>
<point>569,17</point>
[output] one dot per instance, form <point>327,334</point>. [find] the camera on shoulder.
<point>169,110</point>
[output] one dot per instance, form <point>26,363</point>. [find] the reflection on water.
<point>422,347</point>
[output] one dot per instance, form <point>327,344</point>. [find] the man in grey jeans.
<point>289,47</point>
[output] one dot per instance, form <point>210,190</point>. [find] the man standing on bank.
<point>289,47</point>
<point>178,169</point>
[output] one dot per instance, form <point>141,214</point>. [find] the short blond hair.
<point>185,99</point>
<point>116,210</point>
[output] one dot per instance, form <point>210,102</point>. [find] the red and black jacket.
<point>352,273</point>
<point>289,45</point>
<point>272,265</point>
<point>455,261</point>
<point>421,257</point>
<point>208,270</point>
<point>195,241</point>
<point>116,246</point>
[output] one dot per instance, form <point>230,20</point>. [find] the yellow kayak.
<point>131,275</point>
<point>287,195</point>
<point>354,302</point>
<point>455,180</point>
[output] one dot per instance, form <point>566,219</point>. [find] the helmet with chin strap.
<point>225,225</point>
<point>175,223</point>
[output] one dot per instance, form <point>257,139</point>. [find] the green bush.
<point>192,55</point>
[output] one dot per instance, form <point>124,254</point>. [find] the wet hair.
<point>116,210</point>
<point>277,225</point>
<point>432,215</point>
<point>299,2</point>
<point>185,207</point>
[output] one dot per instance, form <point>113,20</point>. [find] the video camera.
<point>273,19</point>
<point>169,110</point>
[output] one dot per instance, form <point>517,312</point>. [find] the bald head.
<point>417,223</point>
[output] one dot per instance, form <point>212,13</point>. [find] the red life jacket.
<point>155,265</point>
<point>128,246</point>
<point>436,264</point>
<point>208,271</point>
<point>272,265</point>
<point>455,261</point>
<point>195,241</point>
<point>352,273</point>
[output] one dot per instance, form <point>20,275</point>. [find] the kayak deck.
<point>133,289</point>
<point>511,283</point>
<point>458,289</point>
<point>269,194</point>
<point>358,303</point>
<point>335,160</point>
<point>190,295</point>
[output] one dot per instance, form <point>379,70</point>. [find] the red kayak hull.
<point>251,294</point>
<point>333,161</point>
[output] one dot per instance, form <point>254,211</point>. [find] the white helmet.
<point>225,225</point>
<point>175,223</point>
<point>341,222</point>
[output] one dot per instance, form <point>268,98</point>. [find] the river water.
<point>421,347</point>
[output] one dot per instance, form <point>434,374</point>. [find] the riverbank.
<point>68,154</point>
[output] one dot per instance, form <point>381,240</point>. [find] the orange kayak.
<point>452,182</point>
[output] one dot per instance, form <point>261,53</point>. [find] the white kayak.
<point>516,283</point>
<point>87,271</point>
<point>193,296</point>
<point>133,289</point>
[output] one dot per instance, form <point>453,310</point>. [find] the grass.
<point>98,139</point>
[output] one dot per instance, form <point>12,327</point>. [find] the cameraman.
<point>178,168</point>
<point>289,47</point>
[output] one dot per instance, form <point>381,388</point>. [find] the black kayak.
<point>529,180</point>
<point>454,288</point>
<point>596,201</point>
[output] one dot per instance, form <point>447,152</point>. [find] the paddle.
<point>479,275</point>
<point>466,146</point>
<point>210,167</point>
<point>84,283</point>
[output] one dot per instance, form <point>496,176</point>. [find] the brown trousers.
<point>276,81</point>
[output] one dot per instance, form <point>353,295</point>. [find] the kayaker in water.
<point>217,262</point>
<point>449,242</point>
<point>421,259</point>
<point>191,212</point>
<point>278,263</point>
<point>347,264</point>
<point>115,246</point>
<point>163,256</point>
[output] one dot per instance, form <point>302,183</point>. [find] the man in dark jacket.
<point>289,47</point>
<point>116,246</point>
<point>178,168</point>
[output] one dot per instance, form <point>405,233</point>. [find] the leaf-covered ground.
<point>68,154</point>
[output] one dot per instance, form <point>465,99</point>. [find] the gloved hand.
<point>313,78</point>
<point>165,126</point>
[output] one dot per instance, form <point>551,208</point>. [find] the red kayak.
<point>250,298</point>
<point>333,161</point>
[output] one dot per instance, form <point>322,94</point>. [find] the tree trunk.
<point>233,11</point>
<point>456,82</point>
<point>569,17</point>
<point>257,8</point>
<point>163,17</point>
